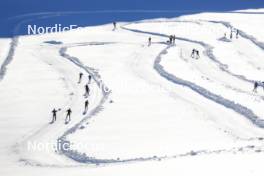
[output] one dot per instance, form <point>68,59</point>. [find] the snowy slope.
<point>152,109</point>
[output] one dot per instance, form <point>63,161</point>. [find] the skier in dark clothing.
<point>86,103</point>
<point>89,79</point>
<point>231,34</point>
<point>255,86</point>
<point>193,53</point>
<point>237,33</point>
<point>197,54</point>
<point>80,77</point>
<point>87,90</point>
<point>54,115</point>
<point>68,116</point>
<point>114,24</point>
<point>173,39</point>
<point>170,39</point>
<point>149,41</point>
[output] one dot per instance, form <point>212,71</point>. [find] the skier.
<point>68,116</point>
<point>80,77</point>
<point>149,41</point>
<point>193,52</point>
<point>114,24</point>
<point>89,79</point>
<point>173,39</point>
<point>87,90</point>
<point>255,86</point>
<point>237,33</point>
<point>197,54</point>
<point>54,115</point>
<point>86,103</point>
<point>231,34</point>
<point>170,39</point>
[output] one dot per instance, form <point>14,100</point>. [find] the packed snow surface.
<point>153,109</point>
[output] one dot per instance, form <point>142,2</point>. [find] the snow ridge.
<point>9,57</point>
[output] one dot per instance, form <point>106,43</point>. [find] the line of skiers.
<point>172,39</point>
<point>69,111</point>
<point>195,54</point>
<point>232,33</point>
<point>54,115</point>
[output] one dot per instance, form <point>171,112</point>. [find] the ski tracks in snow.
<point>83,158</point>
<point>202,91</point>
<point>238,108</point>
